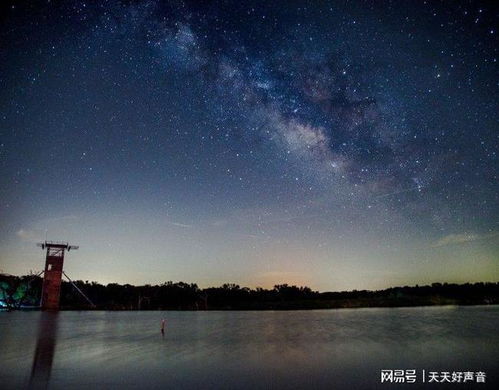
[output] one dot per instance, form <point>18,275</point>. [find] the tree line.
<point>25,291</point>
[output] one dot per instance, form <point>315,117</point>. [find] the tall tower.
<point>52,276</point>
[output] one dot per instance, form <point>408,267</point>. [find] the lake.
<point>344,348</point>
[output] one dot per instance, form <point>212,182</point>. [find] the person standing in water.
<point>163,321</point>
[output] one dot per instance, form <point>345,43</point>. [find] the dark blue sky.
<point>335,144</point>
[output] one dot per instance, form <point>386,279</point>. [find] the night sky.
<point>340,145</point>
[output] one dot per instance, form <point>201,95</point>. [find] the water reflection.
<point>337,349</point>
<point>44,352</point>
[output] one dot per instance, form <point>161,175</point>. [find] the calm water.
<point>295,349</point>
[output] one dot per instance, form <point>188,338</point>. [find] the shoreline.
<point>31,309</point>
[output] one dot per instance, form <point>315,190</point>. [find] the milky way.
<point>338,145</point>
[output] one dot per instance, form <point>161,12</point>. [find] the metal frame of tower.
<point>52,278</point>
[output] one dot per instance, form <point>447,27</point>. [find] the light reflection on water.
<point>294,349</point>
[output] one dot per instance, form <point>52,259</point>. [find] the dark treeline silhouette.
<point>22,291</point>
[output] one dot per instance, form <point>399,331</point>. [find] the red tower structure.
<point>52,277</point>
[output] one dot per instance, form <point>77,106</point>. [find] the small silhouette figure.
<point>163,321</point>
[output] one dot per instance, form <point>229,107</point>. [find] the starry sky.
<point>340,145</point>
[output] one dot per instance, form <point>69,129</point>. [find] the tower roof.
<point>57,244</point>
